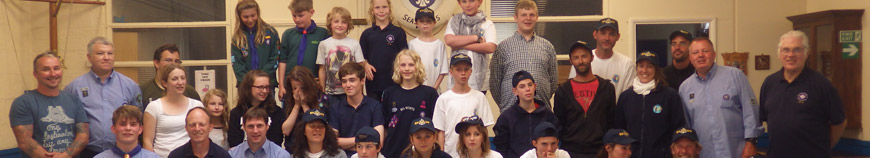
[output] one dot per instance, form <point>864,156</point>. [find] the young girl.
<point>432,50</point>
<point>475,140</point>
<point>215,101</point>
<point>405,102</point>
<point>304,95</point>
<point>471,33</point>
<point>165,112</point>
<point>380,44</point>
<point>617,144</point>
<point>336,51</point>
<point>314,138</point>
<point>255,91</point>
<point>423,141</point>
<point>255,43</point>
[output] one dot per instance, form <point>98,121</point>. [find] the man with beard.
<point>681,68</point>
<point>584,106</point>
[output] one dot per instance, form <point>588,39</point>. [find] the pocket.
<point>729,98</point>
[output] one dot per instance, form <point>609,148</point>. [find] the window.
<point>136,11</point>
<point>505,8</point>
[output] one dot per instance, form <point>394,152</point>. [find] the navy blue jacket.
<point>514,128</point>
<point>650,119</point>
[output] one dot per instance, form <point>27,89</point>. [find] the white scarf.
<point>643,88</point>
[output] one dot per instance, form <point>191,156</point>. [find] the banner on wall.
<point>405,12</point>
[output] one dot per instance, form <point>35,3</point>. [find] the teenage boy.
<point>546,142</point>
<point>299,44</point>
<point>512,130</point>
<point>474,35</point>
<point>459,102</point>
<point>432,51</point>
<point>368,143</point>
<point>356,110</point>
<point>127,126</point>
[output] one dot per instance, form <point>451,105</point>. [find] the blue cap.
<point>545,129</point>
<point>467,121</point>
<point>424,13</point>
<point>685,132</point>
<point>368,134</point>
<point>683,33</point>
<point>459,57</point>
<point>608,22</point>
<point>520,76</point>
<point>579,44</point>
<point>617,136</point>
<point>313,114</point>
<point>647,55</point>
<point>422,123</point>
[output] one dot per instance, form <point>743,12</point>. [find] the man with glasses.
<point>681,68</point>
<point>151,89</point>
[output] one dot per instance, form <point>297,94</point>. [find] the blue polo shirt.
<point>347,120</point>
<point>380,47</point>
<point>799,114</point>
<point>100,101</point>
<point>268,150</point>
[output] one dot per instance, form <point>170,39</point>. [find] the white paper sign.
<point>204,81</point>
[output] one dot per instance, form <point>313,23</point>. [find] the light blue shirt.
<point>269,150</point>
<point>722,109</point>
<point>101,100</point>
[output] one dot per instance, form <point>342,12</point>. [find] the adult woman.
<point>405,102</point>
<point>305,94</point>
<point>255,43</point>
<point>314,138</point>
<point>255,91</point>
<point>474,139</point>
<point>163,132</point>
<point>650,110</point>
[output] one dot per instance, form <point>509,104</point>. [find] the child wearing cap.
<point>546,142</point>
<point>313,139</point>
<point>513,128</point>
<point>405,102</point>
<point>432,51</point>
<point>475,140</point>
<point>459,102</point>
<point>472,34</point>
<point>649,110</point>
<point>685,144</point>
<point>423,143</point>
<point>617,144</point>
<point>368,143</point>
<point>356,110</point>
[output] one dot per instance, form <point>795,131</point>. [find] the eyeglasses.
<point>261,87</point>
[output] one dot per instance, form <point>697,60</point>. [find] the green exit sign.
<point>848,36</point>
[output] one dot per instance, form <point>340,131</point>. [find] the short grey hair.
<point>43,55</point>
<point>794,34</point>
<point>100,40</point>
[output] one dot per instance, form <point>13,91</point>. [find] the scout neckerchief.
<point>303,42</point>
<point>252,47</point>
<point>121,153</point>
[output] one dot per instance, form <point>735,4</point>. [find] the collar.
<point>518,35</point>
<point>780,75</point>
<point>310,29</point>
<point>212,149</point>
<point>709,73</point>
<point>263,148</point>
<point>390,26</point>
<point>97,77</point>
<point>541,107</point>
<point>121,153</point>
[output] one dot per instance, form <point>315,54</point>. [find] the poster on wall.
<point>405,12</point>
<point>204,80</point>
<point>737,60</point>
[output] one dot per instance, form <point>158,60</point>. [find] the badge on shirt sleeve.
<point>391,39</point>
<point>268,38</point>
<point>657,109</point>
<point>436,62</point>
<point>802,97</point>
<point>84,92</point>
<point>726,97</point>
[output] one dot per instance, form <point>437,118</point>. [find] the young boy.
<point>334,52</point>
<point>459,102</point>
<point>368,143</point>
<point>432,50</point>
<point>546,143</point>
<point>299,44</point>
<point>356,110</point>
<point>472,34</point>
<point>512,127</point>
<point>127,126</point>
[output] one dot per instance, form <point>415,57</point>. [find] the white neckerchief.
<point>643,88</point>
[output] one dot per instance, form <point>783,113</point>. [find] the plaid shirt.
<point>537,56</point>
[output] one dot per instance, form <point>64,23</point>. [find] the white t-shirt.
<point>434,57</point>
<point>357,156</point>
<point>170,128</point>
<point>331,54</point>
<point>619,69</point>
<point>218,136</point>
<point>451,108</point>
<point>533,154</point>
<point>479,79</point>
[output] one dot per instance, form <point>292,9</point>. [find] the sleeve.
<point>364,45</point>
<point>357,53</point>
<point>485,111</point>
<point>559,103</point>
<point>677,115</point>
<point>240,65</point>
<point>153,110</point>
<point>444,59</point>
<point>836,104</point>
<point>235,135</point>
<point>81,114</point>
<point>619,114</point>
<point>609,105</point>
<point>272,64</point>
<point>385,106</point>
<point>762,104</point>
<point>402,40</point>
<point>20,114</point>
<point>495,77</point>
<point>490,33</point>
<point>136,94</point>
<point>449,30</point>
<point>553,66</point>
<point>433,100</point>
<point>438,115</point>
<point>630,74</point>
<point>284,48</point>
<point>751,125</point>
<point>322,50</point>
<point>378,116</point>
<point>502,134</point>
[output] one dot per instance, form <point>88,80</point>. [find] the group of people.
<point>378,97</point>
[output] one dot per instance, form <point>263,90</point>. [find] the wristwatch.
<point>753,140</point>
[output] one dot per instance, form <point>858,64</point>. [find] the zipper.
<point>642,119</point>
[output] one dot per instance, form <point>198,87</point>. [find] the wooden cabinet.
<point>825,55</point>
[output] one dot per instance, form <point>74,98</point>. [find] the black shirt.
<point>186,151</point>
<point>380,47</point>
<point>799,115</point>
<point>401,107</point>
<point>676,77</point>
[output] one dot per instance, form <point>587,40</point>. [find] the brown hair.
<point>525,4</point>
<point>239,38</point>
<point>255,113</point>
<point>659,76</point>
<point>245,95</point>
<point>338,12</point>
<point>411,153</point>
<point>463,150</point>
<point>127,112</point>
<point>418,64</point>
<point>172,48</point>
<point>166,70</point>
<point>300,5</point>
<point>309,87</point>
<point>300,141</point>
<point>603,152</point>
<point>225,115</point>
<point>351,68</point>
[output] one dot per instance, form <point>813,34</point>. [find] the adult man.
<point>127,126</point>
<point>800,105</point>
<point>198,126</point>
<point>685,144</point>
<point>584,106</point>
<point>609,64</point>
<point>152,89</point>
<point>681,68</point>
<point>256,123</point>
<point>46,122</point>
<point>546,142</point>
<point>720,103</point>
<point>102,90</point>
<point>523,51</point>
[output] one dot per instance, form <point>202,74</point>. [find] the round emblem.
<point>421,3</point>
<point>802,96</point>
<point>726,97</point>
<point>615,78</point>
<point>436,62</point>
<point>657,109</point>
<point>391,39</point>
<point>395,109</point>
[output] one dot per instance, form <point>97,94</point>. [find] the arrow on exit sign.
<point>851,50</point>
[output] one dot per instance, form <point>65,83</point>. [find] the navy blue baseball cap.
<point>646,55</point>
<point>545,129</point>
<point>313,114</point>
<point>683,33</point>
<point>467,121</point>
<point>579,44</point>
<point>520,76</point>
<point>608,22</point>
<point>459,57</point>
<point>422,123</point>
<point>685,132</point>
<point>424,13</point>
<point>368,134</point>
<point>617,136</point>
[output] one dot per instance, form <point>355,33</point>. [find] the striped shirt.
<point>515,53</point>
